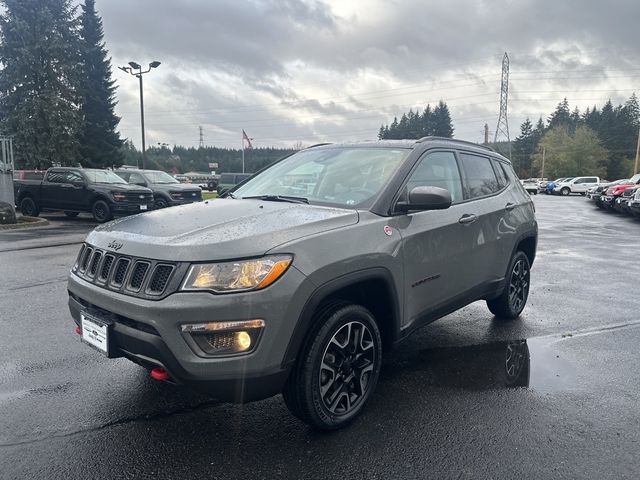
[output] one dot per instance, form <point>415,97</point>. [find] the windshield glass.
<point>102,176</point>
<point>344,177</point>
<point>159,177</point>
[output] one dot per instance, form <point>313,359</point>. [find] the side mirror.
<point>426,198</point>
<point>78,183</point>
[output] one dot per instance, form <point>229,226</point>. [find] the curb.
<point>25,222</point>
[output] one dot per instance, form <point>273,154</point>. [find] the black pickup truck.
<point>73,190</point>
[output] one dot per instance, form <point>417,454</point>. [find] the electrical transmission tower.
<point>503,124</point>
<point>201,136</point>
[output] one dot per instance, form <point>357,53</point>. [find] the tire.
<point>29,207</point>
<point>535,193</point>
<point>101,211</point>
<point>565,191</point>
<point>513,299</point>
<point>71,214</point>
<point>160,203</point>
<point>333,378</point>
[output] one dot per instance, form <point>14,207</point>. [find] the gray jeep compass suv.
<point>298,280</point>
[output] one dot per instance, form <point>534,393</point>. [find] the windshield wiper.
<point>279,198</point>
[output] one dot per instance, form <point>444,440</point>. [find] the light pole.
<point>135,69</point>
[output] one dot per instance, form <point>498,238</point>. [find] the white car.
<point>576,185</point>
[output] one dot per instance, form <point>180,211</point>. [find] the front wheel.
<point>29,208</point>
<point>160,203</point>
<point>101,211</point>
<point>511,302</point>
<point>565,191</point>
<point>338,370</point>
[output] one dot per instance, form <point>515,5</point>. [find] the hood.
<point>123,187</point>
<point>176,187</point>
<point>217,230</point>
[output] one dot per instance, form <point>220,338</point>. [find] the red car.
<point>611,195</point>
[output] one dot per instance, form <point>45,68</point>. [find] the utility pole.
<point>544,151</point>
<point>635,167</point>
<point>201,145</point>
<point>486,134</point>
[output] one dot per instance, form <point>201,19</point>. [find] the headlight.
<point>118,196</point>
<point>236,276</point>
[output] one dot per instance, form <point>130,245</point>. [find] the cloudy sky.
<point>306,71</point>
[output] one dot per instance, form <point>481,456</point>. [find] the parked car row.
<point>568,185</point>
<point>621,196</point>
<point>103,193</point>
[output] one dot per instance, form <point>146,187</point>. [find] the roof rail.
<point>432,137</point>
<point>317,145</point>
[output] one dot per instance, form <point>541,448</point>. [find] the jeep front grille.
<point>129,275</point>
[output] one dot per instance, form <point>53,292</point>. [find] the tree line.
<point>414,125</point>
<point>598,141</point>
<point>56,92</point>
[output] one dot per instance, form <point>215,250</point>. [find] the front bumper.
<point>130,208</point>
<point>148,332</point>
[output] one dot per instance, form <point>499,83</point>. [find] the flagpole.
<point>243,152</point>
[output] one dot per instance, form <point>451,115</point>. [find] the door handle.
<point>466,218</point>
<point>65,185</point>
<point>510,206</point>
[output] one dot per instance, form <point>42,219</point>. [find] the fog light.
<point>224,338</point>
<point>243,339</point>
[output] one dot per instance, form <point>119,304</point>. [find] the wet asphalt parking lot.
<point>445,407</point>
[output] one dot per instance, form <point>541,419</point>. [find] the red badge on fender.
<point>387,230</point>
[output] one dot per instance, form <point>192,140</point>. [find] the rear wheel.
<point>513,299</point>
<point>71,214</point>
<point>338,369</point>
<point>101,211</point>
<point>29,208</point>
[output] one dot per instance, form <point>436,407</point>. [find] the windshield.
<point>102,176</point>
<point>345,177</point>
<point>159,177</point>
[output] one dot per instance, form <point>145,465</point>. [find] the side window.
<point>124,175</point>
<point>56,177</point>
<point>73,177</point>
<point>136,178</point>
<point>481,179</point>
<point>438,169</point>
<point>503,181</point>
<point>579,180</point>
<point>591,180</point>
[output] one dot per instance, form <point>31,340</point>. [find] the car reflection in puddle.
<point>533,364</point>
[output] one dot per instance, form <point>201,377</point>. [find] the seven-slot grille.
<point>123,273</point>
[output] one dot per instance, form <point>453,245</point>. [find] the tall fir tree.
<point>561,117</point>
<point>39,60</point>
<point>426,122</point>
<point>442,126</point>
<point>100,142</point>
<point>523,147</point>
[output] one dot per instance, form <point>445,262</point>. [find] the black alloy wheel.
<point>101,211</point>
<point>29,208</point>
<point>513,298</point>
<point>346,368</point>
<point>160,203</point>
<point>338,367</point>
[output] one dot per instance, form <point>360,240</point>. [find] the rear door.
<point>489,205</point>
<point>52,189</point>
<point>435,245</point>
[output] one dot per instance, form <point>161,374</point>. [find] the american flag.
<point>245,137</point>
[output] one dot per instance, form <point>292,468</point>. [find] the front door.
<point>435,244</point>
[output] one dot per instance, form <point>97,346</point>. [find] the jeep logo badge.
<point>114,245</point>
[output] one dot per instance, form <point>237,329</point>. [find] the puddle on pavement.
<point>532,364</point>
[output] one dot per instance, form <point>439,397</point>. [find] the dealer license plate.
<point>95,332</point>
<point>143,207</point>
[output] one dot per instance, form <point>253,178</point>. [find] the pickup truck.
<point>576,185</point>
<point>73,190</point>
<point>614,192</point>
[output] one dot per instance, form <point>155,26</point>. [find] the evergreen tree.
<point>426,122</point>
<point>523,147</point>
<point>393,129</point>
<point>39,57</point>
<point>381,135</point>
<point>561,117</point>
<point>575,119</point>
<point>442,126</point>
<point>100,143</point>
<point>403,127</point>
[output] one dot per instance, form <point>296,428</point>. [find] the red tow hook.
<point>159,374</point>
<point>78,330</point>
